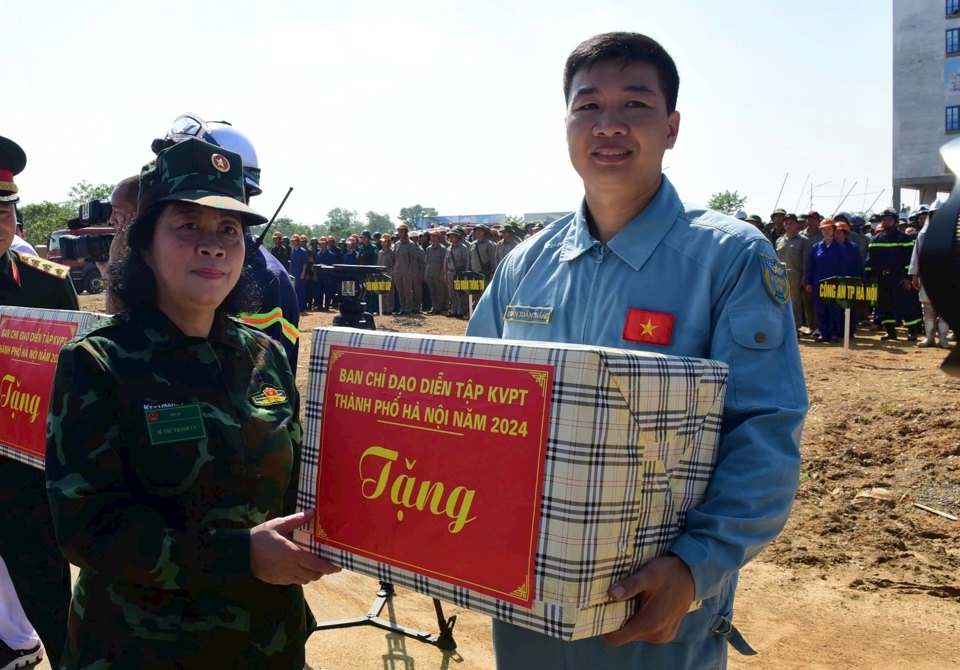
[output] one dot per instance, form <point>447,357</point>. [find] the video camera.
<point>92,247</point>
<point>353,286</point>
<point>940,257</point>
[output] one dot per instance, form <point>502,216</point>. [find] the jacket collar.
<point>636,241</point>
<point>8,269</point>
<point>163,332</point>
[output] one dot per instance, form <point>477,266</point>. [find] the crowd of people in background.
<point>882,251</point>
<point>422,264</point>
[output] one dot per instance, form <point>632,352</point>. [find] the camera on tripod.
<point>92,247</point>
<point>353,286</point>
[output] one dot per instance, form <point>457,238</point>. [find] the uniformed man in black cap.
<point>27,542</point>
<point>888,262</point>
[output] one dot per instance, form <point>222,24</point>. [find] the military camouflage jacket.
<point>30,281</point>
<point>163,450</point>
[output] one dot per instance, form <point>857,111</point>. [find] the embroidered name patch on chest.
<point>537,315</point>
<point>174,424</point>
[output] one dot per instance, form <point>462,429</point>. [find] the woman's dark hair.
<point>626,48</point>
<point>133,282</point>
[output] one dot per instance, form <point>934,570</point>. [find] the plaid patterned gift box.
<point>629,441</point>
<point>30,339</point>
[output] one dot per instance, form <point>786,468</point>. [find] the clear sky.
<point>370,105</point>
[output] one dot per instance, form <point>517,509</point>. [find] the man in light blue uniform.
<point>636,269</point>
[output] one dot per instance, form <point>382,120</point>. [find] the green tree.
<point>281,224</point>
<point>284,224</point>
<point>515,219</point>
<point>41,219</point>
<point>342,223</point>
<point>84,191</point>
<point>409,214</point>
<point>287,227</point>
<point>379,222</point>
<point>727,202</point>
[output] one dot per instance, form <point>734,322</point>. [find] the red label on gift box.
<point>29,349</point>
<point>434,464</point>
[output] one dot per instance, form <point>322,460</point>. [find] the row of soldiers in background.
<point>425,264</point>
<point>884,253</point>
<point>422,264</point>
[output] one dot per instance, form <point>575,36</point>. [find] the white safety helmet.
<point>742,215</point>
<point>221,134</point>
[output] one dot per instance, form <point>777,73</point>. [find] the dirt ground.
<point>860,577</point>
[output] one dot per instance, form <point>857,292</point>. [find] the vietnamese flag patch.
<point>648,327</point>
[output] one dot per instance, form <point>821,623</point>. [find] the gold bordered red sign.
<point>29,348</point>
<point>428,463</point>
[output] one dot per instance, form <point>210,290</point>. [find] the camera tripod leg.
<point>445,639</point>
<point>442,641</point>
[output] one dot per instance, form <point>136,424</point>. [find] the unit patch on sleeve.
<point>775,278</point>
<point>269,396</point>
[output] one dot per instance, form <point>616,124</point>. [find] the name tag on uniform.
<point>175,424</point>
<point>537,315</point>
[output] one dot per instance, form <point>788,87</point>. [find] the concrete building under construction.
<point>926,94</point>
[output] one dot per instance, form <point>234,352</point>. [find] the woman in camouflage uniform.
<point>173,449</point>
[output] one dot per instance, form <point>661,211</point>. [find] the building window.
<point>953,40</point>
<point>953,119</point>
<point>953,7</point>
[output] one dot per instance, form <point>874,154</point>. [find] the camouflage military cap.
<point>12,162</point>
<point>194,171</point>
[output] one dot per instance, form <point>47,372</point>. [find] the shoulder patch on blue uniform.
<point>775,278</point>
